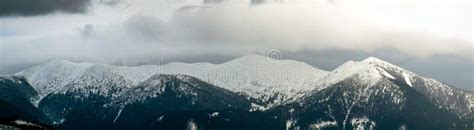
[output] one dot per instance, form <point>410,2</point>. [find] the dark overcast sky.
<point>41,7</point>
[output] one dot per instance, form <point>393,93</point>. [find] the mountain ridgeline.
<point>248,93</point>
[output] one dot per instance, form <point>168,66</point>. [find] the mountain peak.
<point>375,60</point>
<point>254,57</point>
<point>380,65</point>
<point>370,70</point>
<point>61,63</point>
<point>250,59</point>
<point>57,61</point>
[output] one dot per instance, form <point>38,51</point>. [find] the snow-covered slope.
<point>443,95</point>
<point>53,75</point>
<point>373,72</point>
<point>356,94</point>
<point>373,93</point>
<point>269,81</point>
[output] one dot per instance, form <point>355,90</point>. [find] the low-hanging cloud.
<point>287,26</point>
<point>317,27</point>
<point>137,31</point>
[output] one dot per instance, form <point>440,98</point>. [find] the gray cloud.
<point>144,27</point>
<point>40,7</point>
<point>303,27</point>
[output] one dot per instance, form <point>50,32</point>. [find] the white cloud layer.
<point>138,30</point>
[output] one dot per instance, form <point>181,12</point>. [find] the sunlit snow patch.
<point>160,118</point>
<point>386,74</point>
<point>323,124</point>
<point>214,114</point>
<point>407,79</point>
<point>118,115</point>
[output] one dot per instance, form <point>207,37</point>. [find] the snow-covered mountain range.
<point>270,82</point>
<point>356,94</point>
